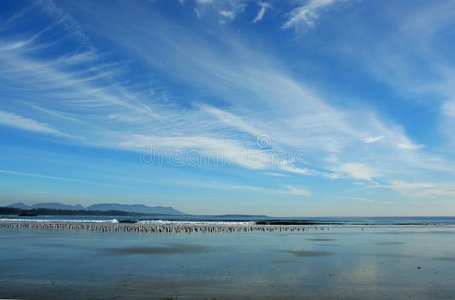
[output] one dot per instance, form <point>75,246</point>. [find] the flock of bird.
<point>160,228</point>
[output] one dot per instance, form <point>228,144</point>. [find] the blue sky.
<point>289,108</point>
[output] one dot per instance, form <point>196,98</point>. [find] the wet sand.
<point>376,263</point>
<point>171,249</point>
<point>306,253</point>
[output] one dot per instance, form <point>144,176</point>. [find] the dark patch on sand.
<point>389,243</point>
<point>281,261</point>
<point>307,253</point>
<point>320,240</point>
<point>148,250</point>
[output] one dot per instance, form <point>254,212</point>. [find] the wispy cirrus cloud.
<point>65,19</point>
<point>370,139</point>
<point>227,10</point>
<point>423,190</point>
<point>228,14</point>
<point>299,119</point>
<point>57,178</point>
<point>21,122</point>
<point>449,108</point>
<point>308,13</point>
<point>298,191</point>
<point>263,6</point>
<point>359,171</point>
<point>411,58</point>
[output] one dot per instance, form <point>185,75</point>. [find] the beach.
<point>225,261</point>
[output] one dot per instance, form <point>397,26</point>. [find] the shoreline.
<point>190,227</point>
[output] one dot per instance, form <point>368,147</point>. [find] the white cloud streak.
<point>448,108</point>
<point>423,190</point>
<point>226,10</point>
<point>297,191</point>
<point>263,6</point>
<point>370,140</point>
<point>20,122</point>
<point>228,14</point>
<point>359,171</point>
<point>308,13</point>
<point>59,178</point>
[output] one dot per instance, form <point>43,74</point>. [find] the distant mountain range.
<point>139,208</point>
<point>136,208</point>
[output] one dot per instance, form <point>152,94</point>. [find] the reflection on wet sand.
<point>387,243</point>
<point>171,249</point>
<point>307,253</point>
<point>398,255</point>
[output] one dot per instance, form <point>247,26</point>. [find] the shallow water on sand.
<point>343,262</point>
